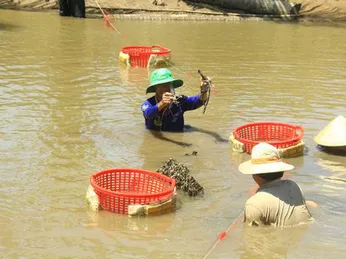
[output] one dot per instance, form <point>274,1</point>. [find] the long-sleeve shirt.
<point>171,118</point>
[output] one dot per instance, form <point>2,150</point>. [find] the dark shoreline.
<point>145,11</point>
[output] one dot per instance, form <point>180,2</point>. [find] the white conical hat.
<point>334,134</point>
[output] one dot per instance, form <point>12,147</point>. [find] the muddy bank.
<point>334,10</point>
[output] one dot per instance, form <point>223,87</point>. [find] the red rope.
<point>106,15</point>
<point>238,220</point>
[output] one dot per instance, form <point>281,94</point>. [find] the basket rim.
<point>163,50</point>
<point>132,194</point>
<point>296,127</point>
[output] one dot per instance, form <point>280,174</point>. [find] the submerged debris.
<point>159,3</point>
<point>180,173</point>
<point>92,199</point>
<point>194,153</point>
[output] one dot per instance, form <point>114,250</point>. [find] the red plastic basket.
<point>139,55</point>
<point>118,188</point>
<point>278,134</point>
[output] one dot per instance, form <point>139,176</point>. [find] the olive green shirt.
<point>279,203</point>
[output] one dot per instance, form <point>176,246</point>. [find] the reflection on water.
<point>114,222</point>
<point>69,108</point>
<point>271,243</point>
<point>261,242</point>
<point>336,168</point>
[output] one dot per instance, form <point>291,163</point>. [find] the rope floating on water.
<point>231,227</point>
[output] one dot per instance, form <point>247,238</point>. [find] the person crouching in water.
<point>160,111</point>
<point>277,202</point>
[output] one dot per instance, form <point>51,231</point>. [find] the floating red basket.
<point>139,55</point>
<point>118,188</point>
<point>280,135</point>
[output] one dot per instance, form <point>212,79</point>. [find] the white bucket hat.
<point>334,134</point>
<point>265,158</point>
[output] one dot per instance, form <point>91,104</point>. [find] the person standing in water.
<point>164,111</point>
<point>277,202</point>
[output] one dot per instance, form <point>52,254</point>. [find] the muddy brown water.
<point>69,108</point>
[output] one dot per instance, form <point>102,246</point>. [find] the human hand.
<point>167,99</point>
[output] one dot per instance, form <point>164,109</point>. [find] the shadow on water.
<point>159,135</point>
<point>189,129</point>
<point>7,27</point>
<point>336,151</point>
<point>215,135</point>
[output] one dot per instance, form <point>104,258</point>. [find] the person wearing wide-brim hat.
<point>333,136</point>
<point>277,202</point>
<point>164,111</point>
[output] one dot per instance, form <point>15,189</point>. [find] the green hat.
<point>162,76</point>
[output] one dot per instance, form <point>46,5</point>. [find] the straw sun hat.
<point>334,134</point>
<point>265,159</point>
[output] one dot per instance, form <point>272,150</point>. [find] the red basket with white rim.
<point>140,55</point>
<point>280,135</point>
<point>118,188</point>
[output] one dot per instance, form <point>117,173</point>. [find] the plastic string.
<point>106,18</point>
<point>234,224</point>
